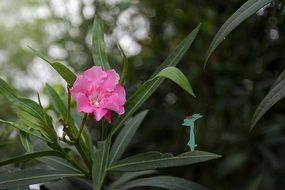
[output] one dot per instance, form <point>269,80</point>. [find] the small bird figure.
<point>189,121</point>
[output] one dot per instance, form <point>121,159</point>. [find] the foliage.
<point>239,85</point>
<point>34,120</point>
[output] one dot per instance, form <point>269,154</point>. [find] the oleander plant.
<point>57,139</point>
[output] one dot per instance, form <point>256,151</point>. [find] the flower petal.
<point>83,104</point>
<point>120,91</point>
<point>111,80</point>
<point>95,76</point>
<point>116,100</point>
<point>79,86</point>
<point>99,113</point>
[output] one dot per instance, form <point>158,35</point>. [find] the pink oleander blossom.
<point>98,93</point>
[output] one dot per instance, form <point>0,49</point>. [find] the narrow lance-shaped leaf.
<point>35,117</point>
<point>100,163</point>
<point>26,141</point>
<point>7,91</point>
<point>153,160</point>
<point>61,69</point>
<point>146,90</point>
<point>274,95</point>
<point>246,10</point>
<point>148,87</point>
<point>125,66</point>
<point>31,114</point>
<point>176,76</point>
<point>98,45</point>
<point>28,157</point>
<point>128,176</point>
<point>56,102</point>
<point>165,182</point>
<point>124,137</point>
<point>29,177</point>
<point>26,129</point>
<point>57,163</point>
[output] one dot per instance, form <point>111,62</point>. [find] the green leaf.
<point>56,102</point>
<point>26,141</point>
<point>64,72</point>
<point>98,45</point>
<point>274,95</point>
<point>26,129</point>
<point>176,76</point>
<point>125,136</point>
<point>58,163</point>
<point>61,69</point>
<point>246,10</point>
<point>28,157</point>
<point>33,116</point>
<point>29,177</point>
<point>125,66</point>
<point>165,182</point>
<point>128,177</point>
<point>7,91</point>
<point>152,160</point>
<point>100,163</point>
<point>146,90</point>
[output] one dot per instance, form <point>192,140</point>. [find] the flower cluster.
<point>98,93</point>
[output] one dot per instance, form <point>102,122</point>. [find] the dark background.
<point>238,76</point>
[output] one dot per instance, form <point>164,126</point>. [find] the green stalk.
<point>104,130</point>
<point>68,107</point>
<point>81,127</point>
<point>77,145</point>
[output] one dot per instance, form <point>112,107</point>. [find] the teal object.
<point>190,122</point>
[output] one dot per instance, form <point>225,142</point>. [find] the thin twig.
<point>68,107</point>
<point>81,127</point>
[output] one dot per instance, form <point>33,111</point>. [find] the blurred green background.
<point>238,75</point>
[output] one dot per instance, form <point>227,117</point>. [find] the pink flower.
<point>98,92</point>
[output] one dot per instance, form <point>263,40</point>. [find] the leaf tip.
<point>251,127</point>
<point>206,60</point>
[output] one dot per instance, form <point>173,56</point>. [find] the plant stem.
<point>68,107</point>
<point>104,130</point>
<point>73,140</point>
<point>81,127</point>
